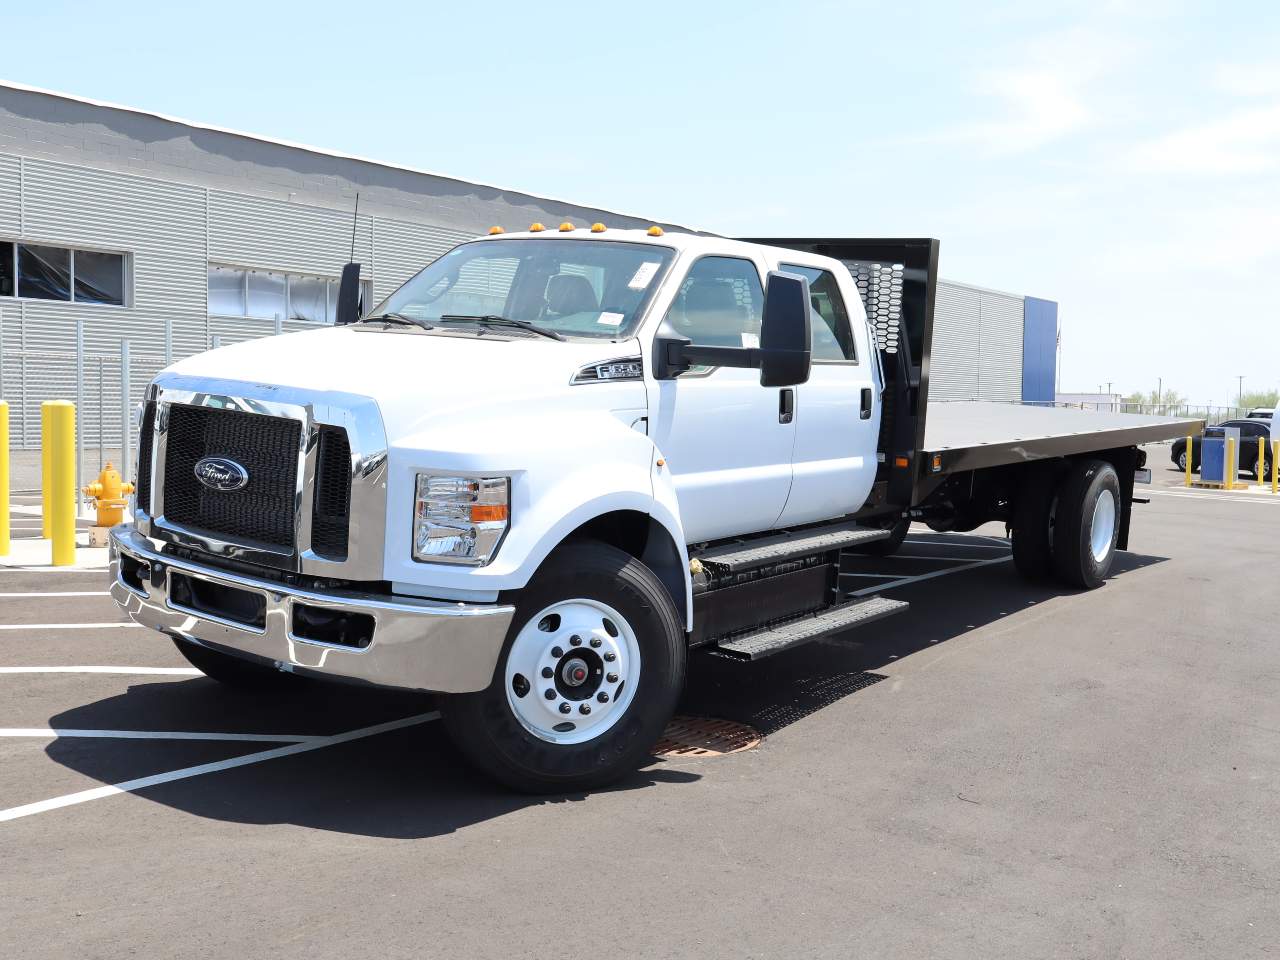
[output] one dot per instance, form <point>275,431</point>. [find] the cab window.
<point>832,338</point>
<point>720,303</point>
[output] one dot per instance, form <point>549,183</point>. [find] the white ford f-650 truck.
<point>556,464</point>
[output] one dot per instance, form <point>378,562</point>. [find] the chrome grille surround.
<point>358,416</point>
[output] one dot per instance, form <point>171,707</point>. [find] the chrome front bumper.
<point>416,644</point>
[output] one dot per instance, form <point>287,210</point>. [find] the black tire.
<point>1033,515</point>
<point>1074,558</point>
<point>886,548</point>
<point>234,672</point>
<point>485,728</point>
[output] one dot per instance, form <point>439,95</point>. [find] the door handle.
<point>786,405</point>
<point>866,403</point>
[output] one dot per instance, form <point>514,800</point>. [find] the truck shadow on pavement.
<point>410,783</point>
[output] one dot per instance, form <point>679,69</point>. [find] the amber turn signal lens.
<point>488,512</point>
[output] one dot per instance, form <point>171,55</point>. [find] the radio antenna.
<point>355,221</point>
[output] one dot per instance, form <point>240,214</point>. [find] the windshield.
<point>577,288</point>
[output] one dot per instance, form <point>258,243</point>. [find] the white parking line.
<point>130,786</point>
<point>57,733</point>
<point>60,593</point>
<point>917,556</point>
<point>130,625</point>
<point>1228,497</point>
<point>141,671</point>
<point>926,576</point>
<point>953,543</point>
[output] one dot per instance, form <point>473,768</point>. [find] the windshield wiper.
<point>397,318</point>
<point>493,320</point>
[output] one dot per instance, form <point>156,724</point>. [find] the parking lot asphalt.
<point>1002,771</point>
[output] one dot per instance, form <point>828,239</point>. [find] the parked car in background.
<point>1261,413</point>
<point>1246,457</point>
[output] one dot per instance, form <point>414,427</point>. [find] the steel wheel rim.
<point>1182,460</point>
<point>1102,530</point>
<point>608,651</point>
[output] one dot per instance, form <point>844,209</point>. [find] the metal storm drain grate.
<point>705,737</point>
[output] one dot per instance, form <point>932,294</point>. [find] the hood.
<point>418,378</point>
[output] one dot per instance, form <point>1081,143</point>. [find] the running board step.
<point>764,643</point>
<point>737,557</point>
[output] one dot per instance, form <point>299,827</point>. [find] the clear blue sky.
<point>1122,158</point>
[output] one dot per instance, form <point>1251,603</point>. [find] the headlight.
<point>460,519</point>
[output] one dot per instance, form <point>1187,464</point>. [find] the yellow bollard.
<point>4,479</point>
<point>1229,464</point>
<point>62,488</point>
<point>1190,448</point>
<point>1275,466</point>
<point>46,472</point>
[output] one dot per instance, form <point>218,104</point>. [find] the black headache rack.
<point>898,281</point>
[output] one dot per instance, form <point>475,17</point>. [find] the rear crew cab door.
<point>837,413</point>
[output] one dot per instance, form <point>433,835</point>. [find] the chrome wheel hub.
<point>1102,530</point>
<point>572,671</point>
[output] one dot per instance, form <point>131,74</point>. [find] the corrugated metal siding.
<point>160,227</point>
<point>1000,361</point>
<point>402,249</point>
<point>270,234</point>
<point>10,192</point>
<point>953,364</point>
<point>977,344</point>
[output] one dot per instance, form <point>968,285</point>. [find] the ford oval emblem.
<point>221,474</point>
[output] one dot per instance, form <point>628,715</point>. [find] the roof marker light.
<point>597,228</point>
<point>655,231</point>
<point>566,227</point>
<point>536,228</point>
<point>494,231</point>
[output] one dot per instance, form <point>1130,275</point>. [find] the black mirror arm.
<point>674,353</point>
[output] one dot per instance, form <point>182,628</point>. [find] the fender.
<point>597,465</point>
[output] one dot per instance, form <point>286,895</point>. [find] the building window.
<point>269,295</point>
<point>41,272</point>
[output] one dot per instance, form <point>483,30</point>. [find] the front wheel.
<point>591,672</point>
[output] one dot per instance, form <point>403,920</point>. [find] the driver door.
<point>726,440</point>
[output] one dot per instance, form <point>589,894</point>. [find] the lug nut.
<point>548,673</point>
<point>550,694</point>
<point>584,709</point>
<point>612,678</point>
<point>575,641</point>
<point>611,656</point>
<point>565,708</point>
<point>557,652</point>
<point>602,697</point>
<point>595,641</point>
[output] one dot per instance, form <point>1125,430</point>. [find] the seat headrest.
<point>710,296</point>
<point>568,293</point>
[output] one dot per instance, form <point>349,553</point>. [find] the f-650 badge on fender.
<point>221,474</point>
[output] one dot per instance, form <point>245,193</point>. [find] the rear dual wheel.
<point>1067,526</point>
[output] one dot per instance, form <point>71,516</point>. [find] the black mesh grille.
<point>267,448</point>
<point>332,505</point>
<point>142,479</point>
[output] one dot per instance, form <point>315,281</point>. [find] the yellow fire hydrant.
<point>110,494</point>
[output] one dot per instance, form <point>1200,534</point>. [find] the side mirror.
<point>786,339</point>
<point>348,295</point>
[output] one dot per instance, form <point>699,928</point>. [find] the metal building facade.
<point>977,344</point>
<point>175,199</point>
